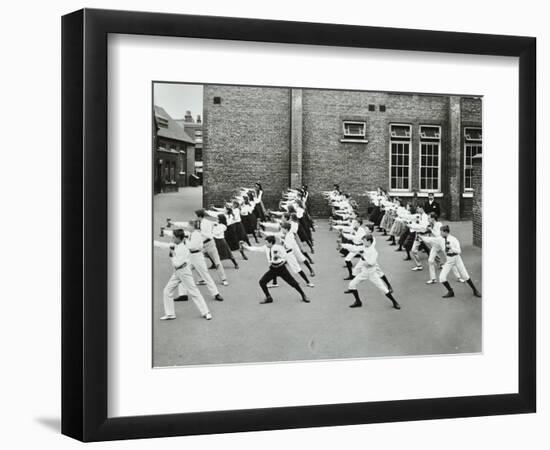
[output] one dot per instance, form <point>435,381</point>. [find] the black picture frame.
<point>84,224</point>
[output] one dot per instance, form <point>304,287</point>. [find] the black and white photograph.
<point>303,224</point>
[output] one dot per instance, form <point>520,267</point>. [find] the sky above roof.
<point>177,98</point>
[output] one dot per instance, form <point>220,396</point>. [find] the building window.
<point>354,130</point>
<point>162,122</point>
<point>472,147</point>
<point>173,172</point>
<point>430,158</point>
<point>198,154</point>
<point>162,145</point>
<point>400,157</point>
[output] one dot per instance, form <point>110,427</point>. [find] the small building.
<point>193,128</point>
<point>405,143</point>
<point>174,153</point>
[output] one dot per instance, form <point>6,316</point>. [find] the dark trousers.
<point>282,272</point>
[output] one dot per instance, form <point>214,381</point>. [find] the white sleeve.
<point>177,224</point>
<point>258,249</point>
<point>164,245</point>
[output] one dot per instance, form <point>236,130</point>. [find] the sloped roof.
<point>174,130</point>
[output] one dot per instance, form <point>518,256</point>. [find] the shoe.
<point>181,298</point>
<point>389,239</point>
<point>431,282</point>
<point>306,300</point>
<point>397,305</point>
<point>212,267</point>
<point>399,249</point>
<point>267,300</point>
<point>449,294</point>
<point>356,305</point>
<point>312,274</point>
<point>416,268</point>
<point>168,317</point>
<point>392,244</point>
<point>201,283</point>
<point>461,280</point>
<point>225,283</point>
<point>477,293</point>
<point>348,291</point>
<point>310,285</point>
<point>245,257</point>
<point>407,259</point>
<point>218,297</point>
<point>349,278</point>
<point>207,316</point>
<point>272,285</point>
<point>236,267</point>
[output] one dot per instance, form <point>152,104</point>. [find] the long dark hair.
<point>258,187</point>
<point>222,219</point>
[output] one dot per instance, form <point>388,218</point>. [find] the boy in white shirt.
<point>453,252</point>
<point>368,269</point>
<point>180,258</point>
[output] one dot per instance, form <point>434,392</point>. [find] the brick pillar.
<point>296,138</point>
<point>453,158</point>
<point>477,210</point>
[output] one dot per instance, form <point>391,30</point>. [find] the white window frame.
<point>361,138</point>
<point>408,140</point>
<point>468,141</point>
<point>422,140</point>
<point>354,122</point>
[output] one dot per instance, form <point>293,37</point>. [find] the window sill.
<point>356,141</point>
<point>411,194</point>
<point>468,194</point>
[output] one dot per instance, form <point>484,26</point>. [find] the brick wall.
<point>246,138</point>
<point>359,167</point>
<point>477,209</point>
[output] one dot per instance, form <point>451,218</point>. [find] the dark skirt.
<point>307,221</point>
<point>259,211</point>
<point>304,234</point>
<point>241,232</point>
<point>250,223</point>
<point>223,249</point>
<point>232,236</point>
<point>376,215</point>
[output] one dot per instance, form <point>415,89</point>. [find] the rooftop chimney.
<point>198,118</point>
<point>188,117</point>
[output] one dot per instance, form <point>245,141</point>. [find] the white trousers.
<point>298,253</point>
<point>182,277</point>
<point>293,263</point>
<point>372,275</point>
<point>456,262</point>
<point>211,250</point>
<point>199,264</point>
<point>431,263</point>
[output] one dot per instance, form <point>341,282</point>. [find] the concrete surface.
<point>243,331</point>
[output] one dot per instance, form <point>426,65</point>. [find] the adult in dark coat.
<point>431,206</point>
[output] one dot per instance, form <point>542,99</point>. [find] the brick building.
<point>285,137</point>
<point>193,128</point>
<point>477,207</point>
<point>174,153</point>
